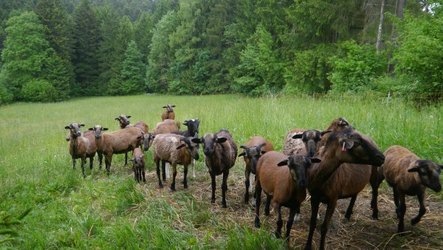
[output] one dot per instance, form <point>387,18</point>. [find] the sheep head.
<point>310,138</point>
<point>190,145</point>
<point>351,146</point>
<point>148,138</point>
<point>298,165</point>
<point>169,107</point>
<point>74,129</point>
<point>251,156</point>
<point>98,131</point>
<point>192,125</point>
<point>123,120</point>
<point>429,173</point>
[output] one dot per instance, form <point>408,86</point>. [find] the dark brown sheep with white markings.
<point>255,147</point>
<point>283,179</point>
<point>407,174</point>
<point>326,180</point>
<point>220,154</point>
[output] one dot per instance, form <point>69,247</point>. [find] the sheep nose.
<point>196,156</point>
<point>78,133</point>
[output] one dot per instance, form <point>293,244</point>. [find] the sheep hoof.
<point>257,223</point>
<point>415,221</point>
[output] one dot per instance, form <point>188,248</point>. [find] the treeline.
<point>52,50</point>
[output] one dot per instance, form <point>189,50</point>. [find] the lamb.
<point>80,147</point>
<point>327,178</point>
<point>407,174</point>
<point>138,165</point>
<point>283,186</point>
<point>117,142</point>
<point>220,154</point>
<point>175,149</point>
<point>253,149</point>
<point>169,112</point>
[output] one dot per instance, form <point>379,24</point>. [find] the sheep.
<point>327,178</point>
<point>252,150</point>
<point>283,186</point>
<point>407,174</point>
<point>80,146</point>
<point>169,112</point>
<point>175,149</point>
<point>124,123</point>
<point>138,165</point>
<point>293,146</point>
<point>220,154</point>
<point>166,126</point>
<point>117,142</point>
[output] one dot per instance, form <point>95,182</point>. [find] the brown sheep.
<point>117,142</point>
<point>169,112</point>
<point>80,147</point>
<point>138,165</point>
<point>220,154</point>
<point>174,149</point>
<point>325,179</point>
<point>167,126</point>
<point>407,174</point>
<point>252,150</point>
<point>124,123</point>
<point>283,186</point>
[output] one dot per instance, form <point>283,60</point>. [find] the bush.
<point>5,95</point>
<point>39,91</point>
<point>356,67</point>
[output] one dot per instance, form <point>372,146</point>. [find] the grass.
<point>114,212</point>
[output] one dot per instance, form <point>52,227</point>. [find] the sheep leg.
<point>213,188</point>
<point>247,184</point>
<point>268,204</point>
<point>108,160</point>
<point>193,168</point>
<point>73,163</point>
<point>277,208</point>
<point>313,223</point>
<point>375,181</point>
<point>143,174</point>
<point>160,184</point>
<point>91,159</point>
<point>164,170</point>
<point>257,204</point>
<point>83,162</point>
<point>292,212</point>
<point>401,212</point>
<point>126,158</point>
<point>350,207</point>
<point>185,176</point>
<point>324,227</point>
<point>422,211</point>
<point>174,174</point>
<point>100,159</point>
<point>224,187</point>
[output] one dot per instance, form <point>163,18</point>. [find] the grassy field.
<point>113,212</point>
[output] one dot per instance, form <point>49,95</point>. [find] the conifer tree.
<point>132,73</point>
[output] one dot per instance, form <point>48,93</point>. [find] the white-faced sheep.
<point>138,165</point>
<point>117,142</point>
<point>174,149</point>
<point>252,150</point>
<point>220,154</point>
<point>283,179</point>
<point>325,182</point>
<point>407,174</point>
<point>169,112</point>
<point>80,147</point>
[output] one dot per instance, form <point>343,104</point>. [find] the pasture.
<point>114,212</point>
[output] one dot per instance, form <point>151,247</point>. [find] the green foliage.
<point>419,56</point>
<point>308,73</point>
<point>5,96</point>
<point>259,71</point>
<point>39,91</point>
<point>355,67</point>
<point>132,73</point>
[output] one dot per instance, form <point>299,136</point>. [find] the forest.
<point>53,50</point>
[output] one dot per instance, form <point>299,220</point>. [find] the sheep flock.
<point>325,165</point>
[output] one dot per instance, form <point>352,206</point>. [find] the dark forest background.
<point>52,50</point>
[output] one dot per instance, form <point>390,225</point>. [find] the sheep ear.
<point>347,145</point>
<point>413,169</point>
<point>297,136</point>
<point>242,154</point>
<point>196,140</point>
<point>173,105</point>
<point>283,163</point>
<point>67,127</point>
<point>243,146</point>
<point>82,125</point>
<point>104,128</point>
<point>220,140</point>
<point>90,128</point>
<point>128,116</point>
<point>181,146</point>
<point>315,160</point>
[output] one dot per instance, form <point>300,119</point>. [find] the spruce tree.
<point>133,71</point>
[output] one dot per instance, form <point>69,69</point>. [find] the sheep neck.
<point>319,173</point>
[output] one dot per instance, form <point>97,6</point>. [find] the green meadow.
<point>114,212</point>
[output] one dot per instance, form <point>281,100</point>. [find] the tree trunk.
<point>380,26</point>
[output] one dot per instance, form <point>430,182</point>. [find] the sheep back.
<point>166,126</point>
<point>165,148</point>
<point>120,141</point>
<point>294,146</point>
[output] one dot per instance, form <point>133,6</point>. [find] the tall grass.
<point>114,212</point>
